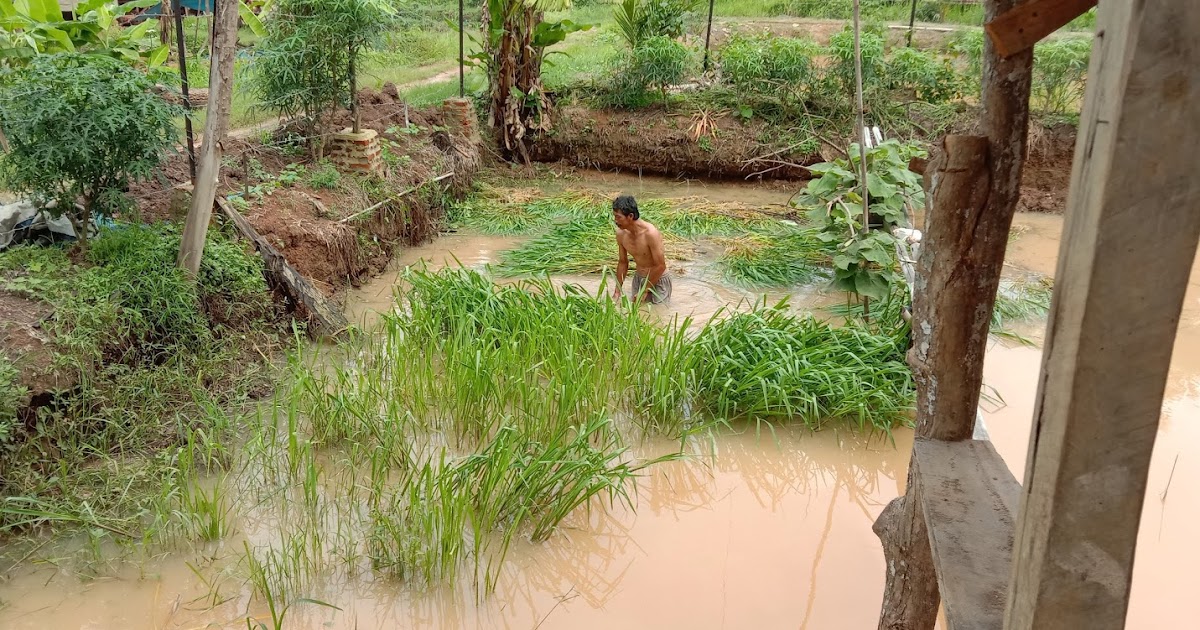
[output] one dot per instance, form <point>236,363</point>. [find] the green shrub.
<point>325,176</point>
<point>928,78</point>
<point>1059,74</point>
<point>766,64</point>
<point>302,65</point>
<point>82,126</point>
<point>841,50</point>
<point>660,62</point>
<point>929,12</point>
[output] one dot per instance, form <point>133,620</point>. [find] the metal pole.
<point>708,33</point>
<point>912,19</point>
<point>187,102</point>
<point>462,79</point>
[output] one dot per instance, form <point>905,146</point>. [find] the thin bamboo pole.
<point>862,135</point>
<point>708,34</point>
<point>177,9</point>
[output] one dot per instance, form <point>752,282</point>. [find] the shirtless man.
<point>644,242</point>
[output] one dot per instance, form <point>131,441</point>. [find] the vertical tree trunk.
<point>976,186</point>
<point>220,98</point>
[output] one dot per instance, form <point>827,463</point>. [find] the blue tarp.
<point>198,6</point>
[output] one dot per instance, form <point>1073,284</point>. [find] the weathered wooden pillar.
<point>1133,220</point>
<point>973,186</point>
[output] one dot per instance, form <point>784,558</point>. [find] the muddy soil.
<point>27,345</point>
<point>305,223</point>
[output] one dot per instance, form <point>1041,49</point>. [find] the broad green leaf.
<point>158,56</point>
<point>870,285</point>
<point>61,37</point>
<point>250,19</point>
<point>138,31</point>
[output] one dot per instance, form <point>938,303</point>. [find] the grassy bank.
<point>148,357</point>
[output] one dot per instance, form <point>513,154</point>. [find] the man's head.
<point>625,211</point>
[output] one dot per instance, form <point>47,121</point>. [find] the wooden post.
<point>1133,220</point>
<point>974,186</point>
<point>220,95</point>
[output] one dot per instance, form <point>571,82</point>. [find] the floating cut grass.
<point>785,258</point>
<point>1022,301</point>
<point>771,364</point>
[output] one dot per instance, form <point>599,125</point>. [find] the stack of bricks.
<point>356,152</point>
<point>459,116</point>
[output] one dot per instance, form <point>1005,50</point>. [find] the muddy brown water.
<point>773,532</point>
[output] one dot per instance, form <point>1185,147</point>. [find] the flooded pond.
<point>772,531</point>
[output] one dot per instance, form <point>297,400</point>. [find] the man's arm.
<point>658,266</point>
<point>622,266</point>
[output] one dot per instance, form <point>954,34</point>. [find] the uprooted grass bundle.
<point>581,246</point>
<point>782,258</point>
<point>770,363</point>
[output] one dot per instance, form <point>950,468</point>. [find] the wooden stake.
<point>220,99</point>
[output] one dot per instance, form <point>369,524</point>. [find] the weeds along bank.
<point>335,228</point>
<point>120,370</point>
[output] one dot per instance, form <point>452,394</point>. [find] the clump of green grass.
<point>771,364</point>
<point>1020,301</point>
<point>582,246</point>
<point>784,258</point>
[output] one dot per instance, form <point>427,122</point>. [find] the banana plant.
<point>37,27</point>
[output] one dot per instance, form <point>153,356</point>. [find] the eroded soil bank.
<point>656,142</point>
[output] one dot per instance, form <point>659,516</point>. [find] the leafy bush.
<point>929,12</point>
<point>82,127</point>
<point>303,64</point>
<point>660,62</point>
<point>1059,74</point>
<point>764,63</point>
<point>324,177</point>
<point>638,20</point>
<point>841,49</point>
<point>863,262</point>
<point>923,75</point>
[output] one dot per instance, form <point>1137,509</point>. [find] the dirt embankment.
<point>653,141</point>
<point>305,222</point>
<point>666,143</point>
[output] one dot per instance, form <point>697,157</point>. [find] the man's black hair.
<point>626,205</point>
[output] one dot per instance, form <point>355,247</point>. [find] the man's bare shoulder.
<point>652,231</point>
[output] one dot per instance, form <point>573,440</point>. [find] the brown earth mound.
<point>655,141</point>
<point>305,223</point>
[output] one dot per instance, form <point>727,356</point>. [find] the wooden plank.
<point>1130,239</point>
<point>1019,29</point>
<point>970,501</point>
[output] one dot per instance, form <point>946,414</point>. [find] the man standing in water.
<point>644,242</point>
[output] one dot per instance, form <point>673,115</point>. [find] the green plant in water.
<point>770,364</point>
<point>782,258</point>
<point>864,259</point>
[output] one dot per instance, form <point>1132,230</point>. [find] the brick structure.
<point>356,152</point>
<point>459,116</point>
